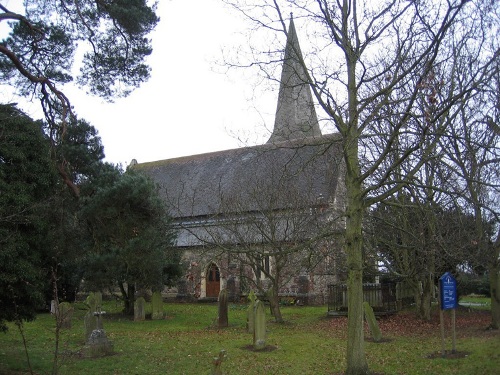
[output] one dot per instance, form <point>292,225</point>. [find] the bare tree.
<point>418,240</point>
<point>472,154</point>
<point>371,67</point>
<point>279,230</point>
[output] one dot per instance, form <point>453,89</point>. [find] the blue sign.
<point>448,292</point>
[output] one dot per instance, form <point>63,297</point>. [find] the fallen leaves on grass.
<point>406,323</point>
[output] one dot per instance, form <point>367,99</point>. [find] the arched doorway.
<point>213,281</point>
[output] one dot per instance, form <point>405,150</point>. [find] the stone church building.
<point>266,217</point>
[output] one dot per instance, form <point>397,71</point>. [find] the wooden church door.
<point>213,281</point>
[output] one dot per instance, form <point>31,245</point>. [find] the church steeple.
<point>295,115</point>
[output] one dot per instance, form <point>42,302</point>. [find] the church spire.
<point>295,115</point>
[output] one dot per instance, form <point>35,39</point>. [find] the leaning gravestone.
<point>157,306</point>
<point>140,309</point>
<point>259,332</point>
<point>372,322</point>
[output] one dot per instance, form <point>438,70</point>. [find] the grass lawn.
<point>478,302</point>
<point>308,343</point>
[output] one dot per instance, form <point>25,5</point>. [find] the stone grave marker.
<point>259,332</point>
<point>157,306</point>
<point>90,320</point>
<point>232,291</point>
<point>223,309</point>
<point>97,343</point>
<point>372,322</point>
<point>251,311</point>
<point>140,309</point>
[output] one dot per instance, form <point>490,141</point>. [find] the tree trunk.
<point>274,302</point>
<point>128,298</point>
<point>425,300</point>
<point>356,358</point>
<point>494,277</point>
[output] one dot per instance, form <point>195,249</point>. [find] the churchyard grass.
<point>308,343</point>
<point>478,302</point>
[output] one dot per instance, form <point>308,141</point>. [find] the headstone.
<point>92,321</point>
<point>223,309</point>
<point>53,307</point>
<point>372,322</point>
<point>259,332</point>
<point>98,344</point>
<point>251,312</point>
<point>94,301</point>
<point>140,309</point>
<point>90,324</point>
<point>157,306</point>
<point>233,295</point>
<point>65,314</point>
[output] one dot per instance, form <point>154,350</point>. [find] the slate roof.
<point>202,185</point>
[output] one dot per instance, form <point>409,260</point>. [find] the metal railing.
<point>381,297</point>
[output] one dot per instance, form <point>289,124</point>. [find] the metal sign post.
<point>448,301</point>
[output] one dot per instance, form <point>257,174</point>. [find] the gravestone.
<point>53,307</point>
<point>259,332</point>
<point>94,301</point>
<point>65,314</point>
<point>223,309</point>
<point>92,321</point>
<point>140,309</point>
<point>98,344</point>
<point>372,322</point>
<point>251,312</point>
<point>157,306</point>
<point>233,295</point>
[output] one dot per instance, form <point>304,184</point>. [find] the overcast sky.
<point>188,106</point>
